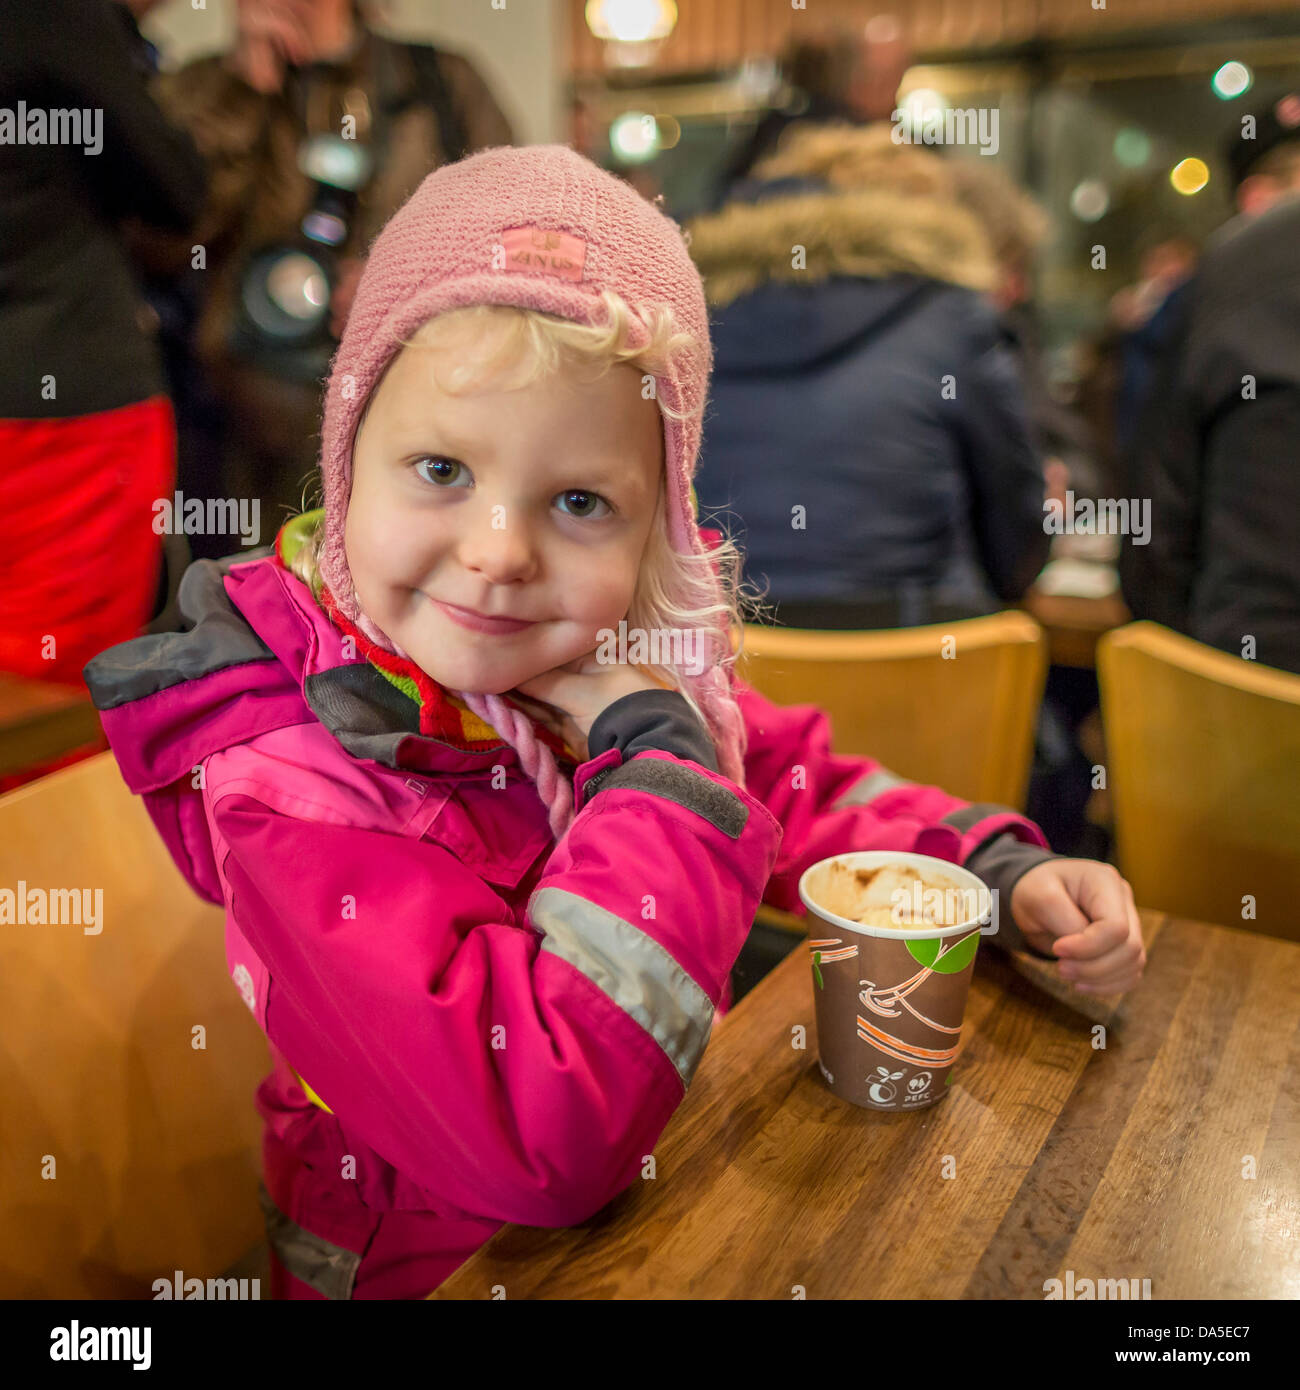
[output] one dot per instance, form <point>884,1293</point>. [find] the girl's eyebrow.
<point>427,437</point>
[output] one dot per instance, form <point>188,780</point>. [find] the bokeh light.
<point>1132,147</point>
<point>634,137</point>
<point>1189,176</point>
<point>1090,200</point>
<point>1231,80</point>
<point>670,131</point>
<point>631,21</point>
<point>918,105</point>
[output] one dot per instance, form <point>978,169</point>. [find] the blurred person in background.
<point>1216,449</point>
<point>1118,363</point>
<point>1143,317</point>
<point>1017,227</point>
<point>1060,784</point>
<point>868,429</point>
<point>845,77</point>
<point>86,430</point>
<point>316,130</point>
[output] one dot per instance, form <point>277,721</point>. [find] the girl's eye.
<point>443,472</point>
<point>583,504</point>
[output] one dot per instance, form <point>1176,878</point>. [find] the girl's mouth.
<point>480,622</point>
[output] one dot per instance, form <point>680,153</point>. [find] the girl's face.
<point>531,505</point>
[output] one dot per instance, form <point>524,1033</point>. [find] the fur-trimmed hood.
<point>858,205</point>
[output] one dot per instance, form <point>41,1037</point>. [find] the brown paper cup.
<point>890,1002</point>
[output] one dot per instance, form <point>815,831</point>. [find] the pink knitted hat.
<point>539,227</point>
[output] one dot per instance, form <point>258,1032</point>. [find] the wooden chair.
<point>126,1153</point>
<point>954,705</point>
<point>1204,769</point>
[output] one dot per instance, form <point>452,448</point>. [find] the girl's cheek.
<point>609,582</point>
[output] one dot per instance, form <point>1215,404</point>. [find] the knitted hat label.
<point>560,254</point>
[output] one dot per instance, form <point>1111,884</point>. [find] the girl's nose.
<point>499,548</point>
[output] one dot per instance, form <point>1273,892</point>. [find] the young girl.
<point>483,886</point>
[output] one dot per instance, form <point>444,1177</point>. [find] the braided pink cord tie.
<point>535,757</point>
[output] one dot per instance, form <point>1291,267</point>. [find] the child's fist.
<point>1083,912</point>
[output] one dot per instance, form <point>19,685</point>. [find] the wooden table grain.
<point>1157,1138</point>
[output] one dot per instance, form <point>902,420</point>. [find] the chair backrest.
<point>128,1139</point>
<point>954,704</point>
<point>1203,756</point>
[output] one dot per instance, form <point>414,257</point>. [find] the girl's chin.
<point>474,682</point>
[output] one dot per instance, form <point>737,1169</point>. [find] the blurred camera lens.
<point>286,293</point>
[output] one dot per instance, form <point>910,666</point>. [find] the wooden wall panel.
<point>722,33</point>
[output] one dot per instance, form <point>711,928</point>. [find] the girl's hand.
<point>1083,912</point>
<point>568,698</point>
<point>270,33</point>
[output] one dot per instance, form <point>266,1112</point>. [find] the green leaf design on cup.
<point>951,961</point>
<point>817,956</point>
<point>923,951</point>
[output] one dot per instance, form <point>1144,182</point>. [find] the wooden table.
<point>1119,1162</point>
<point>39,721</point>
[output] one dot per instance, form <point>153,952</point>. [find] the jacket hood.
<point>857,204</point>
<point>867,235</point>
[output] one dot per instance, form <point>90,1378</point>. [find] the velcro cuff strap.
<point>981,821</point>
<point>675,781</point>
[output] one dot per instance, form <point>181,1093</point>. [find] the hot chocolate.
<point>892,896</point>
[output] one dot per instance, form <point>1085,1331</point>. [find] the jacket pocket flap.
<point>496,832</point>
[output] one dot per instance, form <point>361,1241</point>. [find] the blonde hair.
<point>673,591</point>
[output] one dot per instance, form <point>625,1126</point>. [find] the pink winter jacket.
<point>496,1028</point>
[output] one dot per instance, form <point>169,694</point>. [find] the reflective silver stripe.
<point>968,817</point>
<point>631,968</point>
<point>870,787</point>
<point>328,1268</point>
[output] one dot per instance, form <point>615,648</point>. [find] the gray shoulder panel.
<point>220,637</point>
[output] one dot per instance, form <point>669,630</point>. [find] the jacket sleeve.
<point>147,168</point>
<point>831,804</point>
<point>1004,467</point>
<point>520,1069</point>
